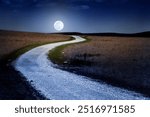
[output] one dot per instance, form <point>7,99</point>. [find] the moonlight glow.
<point>58,25</point>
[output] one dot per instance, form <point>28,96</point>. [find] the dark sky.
<point>125,16</point>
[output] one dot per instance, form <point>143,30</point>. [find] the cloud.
<point>84,7</point>
<point>75,4</point>
<point>6,2</point>
<point>80,7</point>
<point>18,3</point>
<point>99,0</point>
<point>87,0</point>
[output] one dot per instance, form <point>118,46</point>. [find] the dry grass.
<point>123,59</point>
<point>12,44</point>
<point>12,41</point>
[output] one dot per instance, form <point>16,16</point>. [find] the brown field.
<point>12,84</point>
<point>11,41</point>
<point>122,60</point>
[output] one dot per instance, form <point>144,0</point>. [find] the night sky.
<point>122,16</point>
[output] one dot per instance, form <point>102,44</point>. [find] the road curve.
<point>62,85</point>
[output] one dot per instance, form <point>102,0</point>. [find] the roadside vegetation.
<point>15,43</point>
<point>12,84</point>
<point>121,61</point>
<point>56,55</point>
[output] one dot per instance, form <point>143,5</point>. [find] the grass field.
<point>122,61</point>
<point>12,41</point>
<point>12,84</point>
<point>56,56</point>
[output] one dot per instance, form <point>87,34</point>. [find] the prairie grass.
<point>56,54</point>
<point>12,44</point>
<point>123,60</point>
<point>13,41</point>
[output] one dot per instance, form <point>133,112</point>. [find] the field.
<point>12,84</point>
<point>12,41</point>
<point>121,61</point>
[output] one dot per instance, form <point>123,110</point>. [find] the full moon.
<point>58,25</point>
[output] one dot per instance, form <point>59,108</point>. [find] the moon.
<point>58,25</point>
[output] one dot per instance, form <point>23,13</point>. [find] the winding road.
<point>57,84</point>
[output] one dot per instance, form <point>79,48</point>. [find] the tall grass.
<point>15,43</point>
<point>125,60</point>
<point>56,55</point>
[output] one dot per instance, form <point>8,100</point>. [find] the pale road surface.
<point>57,84</point>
